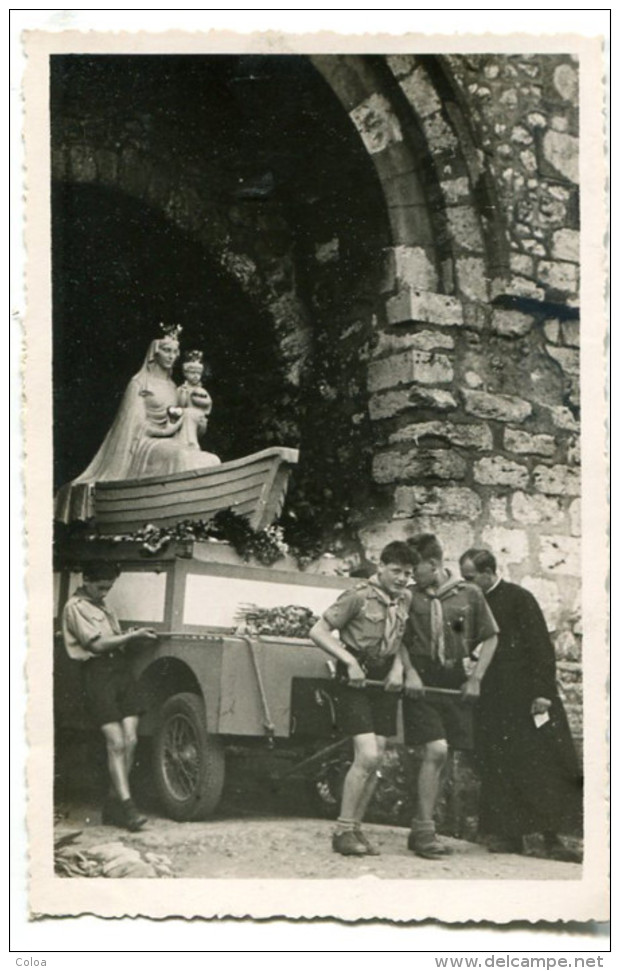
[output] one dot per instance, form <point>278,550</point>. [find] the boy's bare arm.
<point>395,678</point>
<point>322,636</point>
<point>414,686</point>
<point>101,644</point>
<point>486,650</point>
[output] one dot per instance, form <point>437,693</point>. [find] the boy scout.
<point>370,619</point>
<point>93,636</point>
<point>449,620</point>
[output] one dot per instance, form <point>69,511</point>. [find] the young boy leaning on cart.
<point>93,636</point>
<point>370,619</point>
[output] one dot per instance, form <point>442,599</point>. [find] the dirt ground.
<point>268,846</point>
<point>262,830</point>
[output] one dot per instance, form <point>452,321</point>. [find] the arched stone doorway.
<point>235,197</point>
<point>337,205</point>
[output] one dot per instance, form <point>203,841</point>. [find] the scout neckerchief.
<point>438,642</point>
<point>388,645</point>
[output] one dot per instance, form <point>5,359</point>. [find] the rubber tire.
<point>208,762</point>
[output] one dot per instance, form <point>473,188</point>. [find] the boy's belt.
<point>107,656</point>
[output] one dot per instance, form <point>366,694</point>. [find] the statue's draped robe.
<point>132,449</point>
<point>530,779</point>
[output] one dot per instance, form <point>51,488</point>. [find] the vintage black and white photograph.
<point>314,341</point>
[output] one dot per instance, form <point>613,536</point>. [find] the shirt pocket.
<point>374,612</point>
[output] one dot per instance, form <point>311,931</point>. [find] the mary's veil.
<point>113,459</point>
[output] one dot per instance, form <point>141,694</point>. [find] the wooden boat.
<point>253,486</point>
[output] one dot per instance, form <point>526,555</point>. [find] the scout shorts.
<point>426,720</point>
<point>367,710</point>
<point>111,691</point>
<point>435,717</point>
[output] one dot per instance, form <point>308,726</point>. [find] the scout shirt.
<point>467,620</point>
<point>83,622</point>
<point>370,622</point>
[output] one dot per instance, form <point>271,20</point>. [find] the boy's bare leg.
<point>361,775</point>
<point>367,794</point>
<point>372,781</point>
<point>422,839</point>
<point>117,767</point>
<point>358,786</point>
<point>120,756</point>
<point>130,734</point>
<point>430,777</point>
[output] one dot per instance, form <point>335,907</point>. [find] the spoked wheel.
<point>324,787</point>
<point>188,762</point>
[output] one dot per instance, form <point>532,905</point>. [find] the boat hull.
<point>253,486</point>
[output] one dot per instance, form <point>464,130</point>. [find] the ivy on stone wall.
<point>331,490</point>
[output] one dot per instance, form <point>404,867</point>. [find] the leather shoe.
<point>371,849</point>
<point>132,819</point>
<point>427,846</point>
<point>348,843</point>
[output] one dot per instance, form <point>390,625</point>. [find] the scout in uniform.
<point>370,619</point>
<point>449,624</point>
<point>93,636</point>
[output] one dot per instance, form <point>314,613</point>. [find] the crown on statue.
<point>171,330</point>
<point>193,356</point>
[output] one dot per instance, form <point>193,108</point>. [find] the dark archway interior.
<point>280,161</point>
<point>120,270</point>
<point>256,126</point>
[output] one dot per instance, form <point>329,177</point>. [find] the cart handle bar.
<point>427,691</point>
<point>186,635</point>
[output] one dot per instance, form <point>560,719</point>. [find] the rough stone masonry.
<point>474,391</point>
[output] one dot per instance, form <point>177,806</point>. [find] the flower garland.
<point>290,621</point>
<point>264,545</point>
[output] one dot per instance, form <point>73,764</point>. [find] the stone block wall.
<point>526,111</point>
<point>473,391</point>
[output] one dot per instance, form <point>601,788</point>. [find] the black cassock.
<point>530,777</point>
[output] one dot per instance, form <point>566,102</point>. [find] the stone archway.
<point>350,200</point>
<point>448,232</point>
<point>299,228</point>
<point>444,231</point>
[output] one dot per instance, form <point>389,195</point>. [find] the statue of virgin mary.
<point>144,439</point>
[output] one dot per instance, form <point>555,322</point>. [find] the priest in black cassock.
<point>529,773</point>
